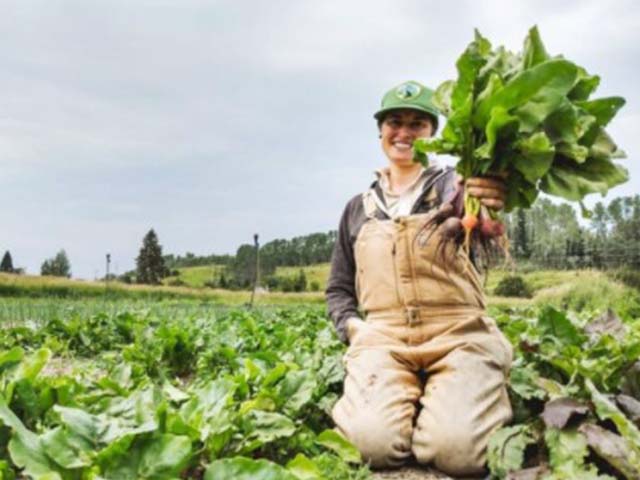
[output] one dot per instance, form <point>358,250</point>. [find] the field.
<point>168,383</point>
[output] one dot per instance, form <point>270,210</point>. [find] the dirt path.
<point>412,473</point>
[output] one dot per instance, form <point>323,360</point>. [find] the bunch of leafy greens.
<point>527,116</point>
<point>575,390</point>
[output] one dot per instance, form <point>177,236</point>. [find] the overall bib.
<point>425,318</point>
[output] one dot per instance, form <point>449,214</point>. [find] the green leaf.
<point>67,449</point>
<point>556,324</point>
<point>603,147</point>
<point>603,109</point>
<point>297,388</point>
<point>567,451</point>
<point>340,445</point>
<point>29,456</point>
<point>242,468</point>
<point>505,452</point>
<point>501,126</point>
<point>523,380</point>
<point>521,193</point>
<point>585,85</point>
<point>568,123</point>
<point>574,151</point>
<point>573,181</point>
<point>607,410</point>
<point>275,374</point>
<point>534,51</point>
<point>261,428</point>
<point>442,97</point>
<point>25,447</point>
<point>536,156</point>
<point>536,92</point>
<point>6,472</point>
<point>165,456</point>
<point>90,427</point>
<point>459,129</point>
<point>493,85</point>
<point>304,468</point>
<point>10,357</point>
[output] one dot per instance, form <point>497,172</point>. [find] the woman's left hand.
<point>491,191</point>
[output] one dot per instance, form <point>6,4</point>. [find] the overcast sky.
<point>212,120</point>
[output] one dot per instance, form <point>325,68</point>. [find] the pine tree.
<point>57,266</point>
<point>7,263</point>
<point>222,282</point>
<point>150,267</point>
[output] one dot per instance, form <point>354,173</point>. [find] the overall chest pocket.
<point>376,277</point>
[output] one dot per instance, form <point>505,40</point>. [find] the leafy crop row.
<point>140,396</point>
<point>575,388</point>
<point>236,394</point>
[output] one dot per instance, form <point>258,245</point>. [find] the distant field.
<point>318,273</point>
<point>196,276</point>
<point>577,289</point>
<point>26,286</point>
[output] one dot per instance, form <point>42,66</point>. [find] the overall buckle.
<point>413,316</point>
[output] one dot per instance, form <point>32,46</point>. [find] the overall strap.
<point>370,203</point>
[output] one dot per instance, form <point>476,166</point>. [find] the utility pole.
<point>256,277</point>
<point>106,277</point>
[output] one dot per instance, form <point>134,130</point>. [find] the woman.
<point>426,368</point>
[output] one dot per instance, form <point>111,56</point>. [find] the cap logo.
<point>407,91</point>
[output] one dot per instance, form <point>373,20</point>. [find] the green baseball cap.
<point>411,95</point>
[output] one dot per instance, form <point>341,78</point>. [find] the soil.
<point>414,473</point>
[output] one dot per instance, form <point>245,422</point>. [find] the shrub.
<point>631,278</point>
<point>593,294</point>
<point>176,282</point>
<point>513,286</point>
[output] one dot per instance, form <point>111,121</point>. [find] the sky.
<point>210,121</point>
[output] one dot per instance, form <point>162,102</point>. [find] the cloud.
<point>210,120</point>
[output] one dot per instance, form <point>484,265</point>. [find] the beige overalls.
<point>425,311</point>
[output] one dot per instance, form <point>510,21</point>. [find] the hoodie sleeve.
<point>342,301</point>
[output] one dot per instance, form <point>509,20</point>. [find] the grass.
<point>570,289</point>
<point>56,287</point>
<point>314,273</point>
<point>196,277</point>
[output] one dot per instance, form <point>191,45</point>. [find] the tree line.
<point>548,235</point>
<point>238,271</point>
<point>551,235</point>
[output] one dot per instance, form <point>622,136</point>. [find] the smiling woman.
<point>399,130</point>
<point>424,315</point>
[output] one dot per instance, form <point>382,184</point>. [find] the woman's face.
<point>398,131</point>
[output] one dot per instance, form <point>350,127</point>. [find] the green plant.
<point>527,118</point>
<point>150,267</point>
<point>163,394</point>
<point>57,266</point>
<point>570,389</point>
<point>629,277</point>
<point>513,286</point>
